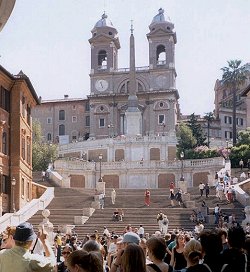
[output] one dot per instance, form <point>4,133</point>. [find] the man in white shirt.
<point>141,231</point>
<point>201,187</point>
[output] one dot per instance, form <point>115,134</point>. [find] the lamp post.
<point>100,159</point>
<point>182,158</point>
<point>13,184</point>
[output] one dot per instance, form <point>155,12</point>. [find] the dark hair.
<point>91,246</point>
<point>89,261</point>
<point>211,242</point>
<point>157,246</point>
<point>236,237</point>
<point>133,259</point>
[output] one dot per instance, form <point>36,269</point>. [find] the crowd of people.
<point>215,250</point>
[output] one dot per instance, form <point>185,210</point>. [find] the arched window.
<point>49,137</point>
<point>61,130</point>
<point>161,54</point>
<point>61,115</point>
<point>102,59</point>
<point>4,143</point>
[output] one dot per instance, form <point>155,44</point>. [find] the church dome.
<point>104,21</point>
<point>160,18</point>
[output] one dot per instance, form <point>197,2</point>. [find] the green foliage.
<point>238,153</point>
<point>186,140</point>
<point>42,153</point>
<point>244,137</point>
<point>196,130</point>
<point>234,75</point>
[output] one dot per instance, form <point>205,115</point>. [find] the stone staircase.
<point>69,202</point>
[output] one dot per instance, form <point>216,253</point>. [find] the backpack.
<point>157,269</point>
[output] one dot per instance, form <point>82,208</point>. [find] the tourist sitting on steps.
<point>116,215</point>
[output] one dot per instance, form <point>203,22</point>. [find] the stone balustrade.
<point>14,219</point>
<point>78,164</point>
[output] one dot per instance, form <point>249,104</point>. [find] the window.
<point>61,130</point>
<point>28,191</point>
<point>4,184</point>
<point>28,114</point>
<point>161,54</point>
<point>161,119</point>
<point>87,108</point>
<point>87,121</point>
<point>28,151</point>
<point>101,122</point>
<point>23,148</point>
<point>74,119</point>
<point>49,137</point>
<point>4,144</point>
<point>61,115</point>
<point>5,99</point>
<point>74,107</point>
<point>102,59</point>
<point>239,121</point>
<point>23,106</point>
<point>22,187</point>
<point>228,119</point>
<point>49,120</point>
<point>228,135</point>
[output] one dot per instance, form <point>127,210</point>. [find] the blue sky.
<point>48,40</point>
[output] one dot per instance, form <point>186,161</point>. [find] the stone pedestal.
<point>100,187</point>
<point>47,226</point>
<point>247,214</point>
<point>182,184</point>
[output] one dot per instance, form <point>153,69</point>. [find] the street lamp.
<point>182,158</point>
<point>100,159</point>
<point>13,184</point>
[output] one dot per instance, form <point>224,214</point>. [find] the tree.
<point>186,140</point>
<point>244,137</point>
<point>209,117</point>
<point>42,153</point>
<point>196,130</point>
<point>233,76</point>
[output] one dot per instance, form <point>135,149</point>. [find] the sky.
<point>48,41</point>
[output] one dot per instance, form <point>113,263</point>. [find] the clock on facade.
<point>101,85</point>
<point>161,81</point>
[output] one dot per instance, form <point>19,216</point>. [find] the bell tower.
<point>162,40</point>
<point>104,46</point>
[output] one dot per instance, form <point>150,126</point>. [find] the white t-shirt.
<point>140,230</point>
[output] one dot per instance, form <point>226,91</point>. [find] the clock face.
<point>101,85</point>
<point>161,81</point>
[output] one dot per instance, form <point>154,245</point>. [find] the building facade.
<point>17,99</point>
<point>103,113</point>
<point>224,107</point>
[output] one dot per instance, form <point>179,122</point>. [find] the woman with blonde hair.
<point>178,260</point>
<point>7,240</point>
<point>133,259</point>
<point>193,255</point>
<point>82,261</point>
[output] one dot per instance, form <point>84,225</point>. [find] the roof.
<point>160,18</point>
<point>22,76</point>
<point>104,21</point>
<point>63,100</point>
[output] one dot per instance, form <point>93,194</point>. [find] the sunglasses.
<point>66,252</point>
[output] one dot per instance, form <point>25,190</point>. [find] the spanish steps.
<point>69,202</point>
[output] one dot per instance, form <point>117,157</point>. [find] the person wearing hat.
<point>19,258</point>
<point>128,238</point>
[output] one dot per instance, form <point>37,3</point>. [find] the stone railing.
<point>13,219</point>
<point>242,190</point>
<point>78,164</point>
